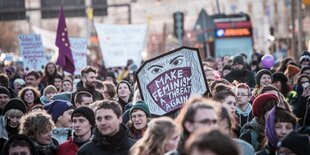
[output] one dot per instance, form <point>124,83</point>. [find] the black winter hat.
<point>126,82</point>
<point>259,75</point>
<point>298,143</point>
<point>238,60</point>
<point>279,77</point>
<point>87,113</point>
<point>4,90</point>
<point>15,104</point>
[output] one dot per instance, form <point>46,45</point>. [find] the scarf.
<point>270,129</point>
<point>45,149</point>
<point>246,112</point>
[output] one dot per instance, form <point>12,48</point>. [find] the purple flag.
<point>65,58</point>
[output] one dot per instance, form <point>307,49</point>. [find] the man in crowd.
<point>240,73</point>
<point>83,98</point>
<point>60,111</point>
<point>196,114</point>
<point>33,79</point>
<point>88,83</point>
<point>83,121</point>
<point>110,137</point>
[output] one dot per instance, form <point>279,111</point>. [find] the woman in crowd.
<point>161,136</point>
<point>30,96</point>
<point>299,102</point>
<point>279,123</point>
<point>67,85</point>
<point>10,121</point>
<point>50,72</point>
<point>262,78</point>
<point>38,127</point>
<point>123,91</point>
<point>253,132</point>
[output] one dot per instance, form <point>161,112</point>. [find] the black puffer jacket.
<point>79,87</point>
<point>118,144</point>
<point>6,146</point>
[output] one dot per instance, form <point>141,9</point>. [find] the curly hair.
<point>158,132</point>
<point>23,91</point>
<point>35,123</point>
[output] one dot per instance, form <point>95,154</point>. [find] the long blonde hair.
<point>153,140</point>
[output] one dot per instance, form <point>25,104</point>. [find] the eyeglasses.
<point>242,94</point>
<point>207,121</point>
<point>137,116</point>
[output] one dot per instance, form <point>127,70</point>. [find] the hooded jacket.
<point>6,146</point>
<point>118,144</point>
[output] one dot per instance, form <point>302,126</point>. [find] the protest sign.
<point>79,53</point>
<point>167,81</point>
<point>119,43</point>
<point>32,51</point>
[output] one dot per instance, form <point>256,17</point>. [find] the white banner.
<point>32,52</point>
<point>79,53</point>
<point>120,43</point>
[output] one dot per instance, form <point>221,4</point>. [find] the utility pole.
<point>293,41</point>
<point>299,18</point>
<point>218,7</point>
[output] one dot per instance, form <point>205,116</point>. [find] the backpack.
<point>248,129</point>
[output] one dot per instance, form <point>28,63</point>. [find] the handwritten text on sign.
<point>120,43</point>
<point>32,51</point>
<point>79,53</point>
<point>172,88</point>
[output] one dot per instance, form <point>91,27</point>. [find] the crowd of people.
<point>247,110</point>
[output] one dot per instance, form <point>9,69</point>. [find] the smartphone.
<point>305,85</point>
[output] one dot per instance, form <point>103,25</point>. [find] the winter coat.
<point>244,116</point>
<point>118,144</point>
<point>46,149</point>
<point>3,132</point>
<point>243,76</point>
<point>244,147</point>
<point>300,108</point>
<point>6,146</point>
<point>95,94</point>
<point>68,148</point>
<point>251,133</point>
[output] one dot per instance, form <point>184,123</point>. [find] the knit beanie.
<point>142,106</point>
<point>126,82</point>
<point>270,129</point>
<point>19,81</point>
<point>66,96</point>
<point>4,90</point>
<point>291,70</point>
<point>87,113</point>
<point>238,60</point>
<point>279,77</point>
<point>298,143</point>
<point>260,101</point>
<point>304,57</point>
<point>15,104</point>
<point>57,108</point>
<point>259,75</point>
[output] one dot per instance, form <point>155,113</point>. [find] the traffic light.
<point>178,22</point>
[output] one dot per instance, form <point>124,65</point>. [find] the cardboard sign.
<point>32,51</point>
<point>79,53</point>
<point>167,81</point>
<point>119,43</point>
